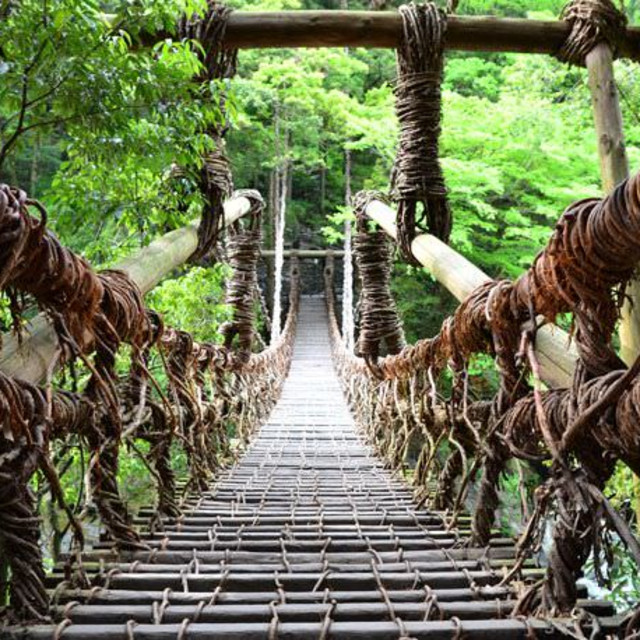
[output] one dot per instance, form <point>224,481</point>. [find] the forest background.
<point>91,124</point>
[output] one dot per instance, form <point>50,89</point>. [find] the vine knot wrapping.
<point>417,181</point>
<point>592,22</point>
<point>218,63</point>
<point>378,314</point>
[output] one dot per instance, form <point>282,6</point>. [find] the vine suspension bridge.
<point>303,525</point>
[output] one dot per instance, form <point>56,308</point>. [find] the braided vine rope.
<point>417,181</point>
<point>379,321</point>
<point>243,252</point>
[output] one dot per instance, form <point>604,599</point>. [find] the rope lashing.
<point>218,63</point>
<point>216,185</point>
<point>417,182</point>
<point>592,22</point>
<point>243,250</point>
<point>379,321</point>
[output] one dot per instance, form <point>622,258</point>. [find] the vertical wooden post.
<point>614,168</point>
<point>614,165</point>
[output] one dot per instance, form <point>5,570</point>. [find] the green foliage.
<point>109,117</point>
<point>194,302</point>
<point>621,573</point>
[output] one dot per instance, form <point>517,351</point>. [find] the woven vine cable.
<point>592,22</point>
<point>379,321</point>
<point>218,63</point>
<point>243,250</point>
<point>417,182</point>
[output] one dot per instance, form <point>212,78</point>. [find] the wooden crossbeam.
<point>382,29</point>
<point>373,29</point>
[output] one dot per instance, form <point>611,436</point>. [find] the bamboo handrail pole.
<point>31,359</point>
<point>382,29</point>
<point>556,354</point>
<point>614,168</point>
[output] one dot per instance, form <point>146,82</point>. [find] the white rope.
<point>348,328</point>
<point>279,259</point>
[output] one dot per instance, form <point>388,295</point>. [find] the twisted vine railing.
<point>400,400</point>
<point>210,391</point>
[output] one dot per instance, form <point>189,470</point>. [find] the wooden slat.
<point>429,630</point>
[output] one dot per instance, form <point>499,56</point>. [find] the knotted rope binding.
<point>378,314</point>
<point>592,22</point>
<point>417,176</point>
<point>219,63</point>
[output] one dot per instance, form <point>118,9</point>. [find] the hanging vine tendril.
<point>417,181</point>
<point>29,422</point>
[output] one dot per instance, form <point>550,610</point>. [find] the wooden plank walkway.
<point>307,537</point>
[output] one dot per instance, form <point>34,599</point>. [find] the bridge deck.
<point>306,537</point>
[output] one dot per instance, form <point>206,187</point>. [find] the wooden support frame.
<point>382,29</point>
<point>32,358</point>
<point>555,352</point>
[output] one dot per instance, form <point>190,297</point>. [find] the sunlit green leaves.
<point>194,302</point>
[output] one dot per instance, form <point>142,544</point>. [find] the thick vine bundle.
<point>218,64</point>
<point>417,181</point>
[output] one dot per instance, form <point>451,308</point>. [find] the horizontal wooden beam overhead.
<point>556,353</point>
<point>373,29</point>
<point>304,253</point>
<point>31,359</point>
